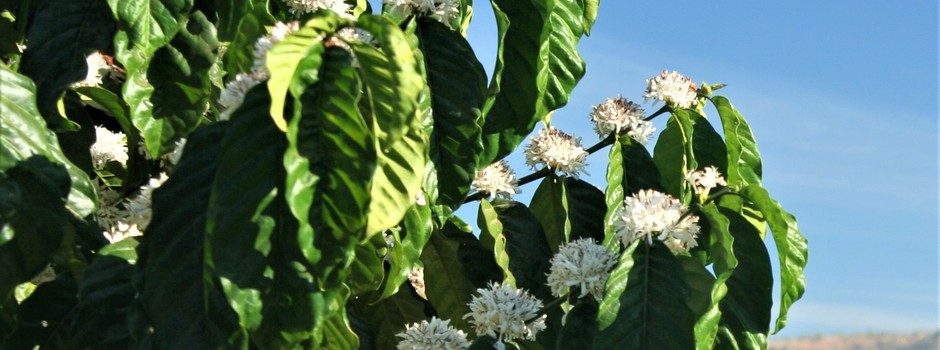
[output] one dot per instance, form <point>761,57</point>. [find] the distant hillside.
<point>872,341</point>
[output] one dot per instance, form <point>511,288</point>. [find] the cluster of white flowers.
<point>676,90</point>
<point>617,115</point>
<point>705,180</point>
<point>505,313</point>
<point>582,263</point>
<point>444,11</point>
<point>108,146</point>
<point>436,334</point>
<point>129,217</point>
<point>234,93</point>
<point>98,69</point>
<point>497,179</point>
<point>650,213</point>
<point>309,6</point>
<point>557,151</point>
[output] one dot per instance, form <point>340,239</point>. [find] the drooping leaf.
<point>792,250</point>
<point>24,134</point>
<point>613,195</point>
<point>455,265</point>
<point>569,209</point>
<point>238,230</point>
<point>367,270</point>
<point>179,86</point>
<point>639,168</point>
<point>458,84</point>
<point>745,309</point>
<point>337,334</point>
<point>708,147</point>
<point>721,253</point>
<point>514,103</point>
<point>744,163</point>
<point>645,302</point>
<point>580,327</point>
<point>527,248</point>
<point>292,63</point>
<point>62,34</point>
<point>565,65</point>
<point>183,306</point>
<point>550,206</point>
<point>105,294</point>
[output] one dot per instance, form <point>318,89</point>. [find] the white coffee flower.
<point>497,179</point>
<point>109,212</point>
<point>98,69</point>
<point>108,146</point>
<point>705,180</point>
<point>444,11</point>
<point>264,44</point>
<point>505,313</point>
<point>173,157</point>
<point>650,213</point>
<point>234,93</point>
<point>582,263</point>
<point>557,151</point>
<point>616,115</point>
<point>310,6</point>
<point>433,335</point>
<point>673,88</point>
<point>140,205</point>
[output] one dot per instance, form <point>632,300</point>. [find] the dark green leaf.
<point>639,169</point>
<point>105,295</point>
<point>42,315</point>
<point>61,34</point>
<point>708,147</point>
<point>455,265</point>
<point>744,164</point>
<point>645,302</point>
<point>519,78</point>
<point>337,334</point>
<point>458,84</point>
<point>746,308</point>
<point>367,269</point>
<point>791,249</point>
<point>549,204</point>
<point>580,326</point>
<point>389,316</point>
<point>179,305</point>
<point>569,209</point>
<point>674,154</point>
<point>721,252</point>
<point>528,250</point>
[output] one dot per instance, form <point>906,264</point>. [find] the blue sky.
<point>843,102</point>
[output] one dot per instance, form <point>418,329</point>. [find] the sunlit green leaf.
<point>744,163</point>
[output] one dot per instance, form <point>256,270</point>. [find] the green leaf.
<point>367,269</point>
<point>569,209</point>
<point>708,147</point>
<point>337,334</point>
<point>62,34</point>
<point>645,302</point>
<point>180,88</point>
<point>527,247</point>
<point>613,195</point>
<point>391,79</point>
<point>180,305</point>
<point>458,84</point>
<point>391,86</point>
<point>580,327</point>
<point>105,294</point>
<point>43,315</point>
<point>514,103</point>
<point>415,232</point>
<point>292,63</point>
<point>744,163</point>
<point>239,54</point>
<point>746,308</point>
<point>549,204</point>
<point>491,235</point>
<point>238,229</point>
<point>389,316</point>
<point>565,65</point>
<point>674,155</point>
<point>639,169</point>
<point>791,248</point>
<point>700,282</point>
<point>590,14</point>
<point>455,265</point>
<point>721,252</point>
<point>24,134</point>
